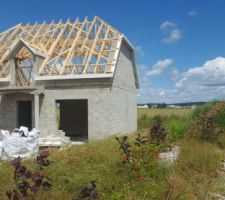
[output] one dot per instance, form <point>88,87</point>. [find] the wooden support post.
<point>36,110</point>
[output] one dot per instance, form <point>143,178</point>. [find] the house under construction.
<point>79,77</point>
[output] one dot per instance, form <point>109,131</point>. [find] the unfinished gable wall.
<point>123,110</point>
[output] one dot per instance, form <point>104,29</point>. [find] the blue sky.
<point>180,45</point>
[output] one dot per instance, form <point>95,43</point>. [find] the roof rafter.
<point>70,48</point>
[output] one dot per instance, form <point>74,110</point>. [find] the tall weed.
<point>220,117</point>
<point>178,127</point>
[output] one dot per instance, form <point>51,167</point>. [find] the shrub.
<point>178,127</point>
<point>145,121</point>
<point>201,110</point>
<point>209,125</point>
<point>126,148</point>
<point>28,183</point>
<point>140,159</point>
<point>88,192</point>
<point>220,117</point>
<point>157,133</point>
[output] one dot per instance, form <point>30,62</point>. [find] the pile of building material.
<point>170,156</point>
<point>24,143</point>
<point>19,143</point>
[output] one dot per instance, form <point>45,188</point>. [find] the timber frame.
<point>71,48</point>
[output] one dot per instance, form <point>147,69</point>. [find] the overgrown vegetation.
<point>209,125</point>
<point>132,169</point>
<point>196,171</point>
<point>177,123</point>
<point>28,183</point>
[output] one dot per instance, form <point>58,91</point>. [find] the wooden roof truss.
<point>71,48</point>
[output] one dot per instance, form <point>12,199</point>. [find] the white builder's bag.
<point>23,131</point>
<point>34,133</point>
<point>24,147</point>
<point>3,133</point>
<point>15,146</point>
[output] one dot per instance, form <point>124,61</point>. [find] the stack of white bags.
<point>20,142</point>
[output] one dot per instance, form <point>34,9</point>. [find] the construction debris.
<point>170,156</point>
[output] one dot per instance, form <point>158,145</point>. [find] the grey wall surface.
<point>112,103</point>
<point>124,92</point>
<point>8,109</point>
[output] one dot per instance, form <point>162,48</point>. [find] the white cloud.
<point>172,33</point>
<point>175,75</point>
<point>173,37</point>
<point>138,49</point>
<point>167,25</point>
<point>212,73</point>
<point>192,13</point>
<point>162,93</point>
<point>159,67</point>
<point>202,83</point>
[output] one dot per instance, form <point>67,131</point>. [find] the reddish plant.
<point>157,133</point>
<point>88,192</point>
<point>27,182</point>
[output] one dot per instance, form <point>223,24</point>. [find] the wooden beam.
<point>80,40</point>
<point>52,49</point>
<point>72,47</point>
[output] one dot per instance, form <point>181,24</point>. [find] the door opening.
<point>73,118</point>
<point>24,114</point>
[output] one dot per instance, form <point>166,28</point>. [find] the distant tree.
<point>161,105</point>
<point>149,105</point>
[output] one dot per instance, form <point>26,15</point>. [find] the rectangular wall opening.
<point>24,114</point>
<point>72,116</point>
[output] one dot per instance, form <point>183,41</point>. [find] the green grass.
<point>193,176</point>
<point>196,172</point>
<point>201,110</point>
<point>164,112</point>
<point>178,127</point>
<point>73,168</point>
<point>175,120</point>
<point>221,118</point>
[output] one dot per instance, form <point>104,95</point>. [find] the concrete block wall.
<point>98,117</point>
<point>110,111</point>
<point>123,112</point>
<point>8,109</point>
<point>124,95</point>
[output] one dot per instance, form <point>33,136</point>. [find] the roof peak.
<point>70,48</point>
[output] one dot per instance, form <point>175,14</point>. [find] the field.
<point>164,112</point>
<point>196,175</point>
